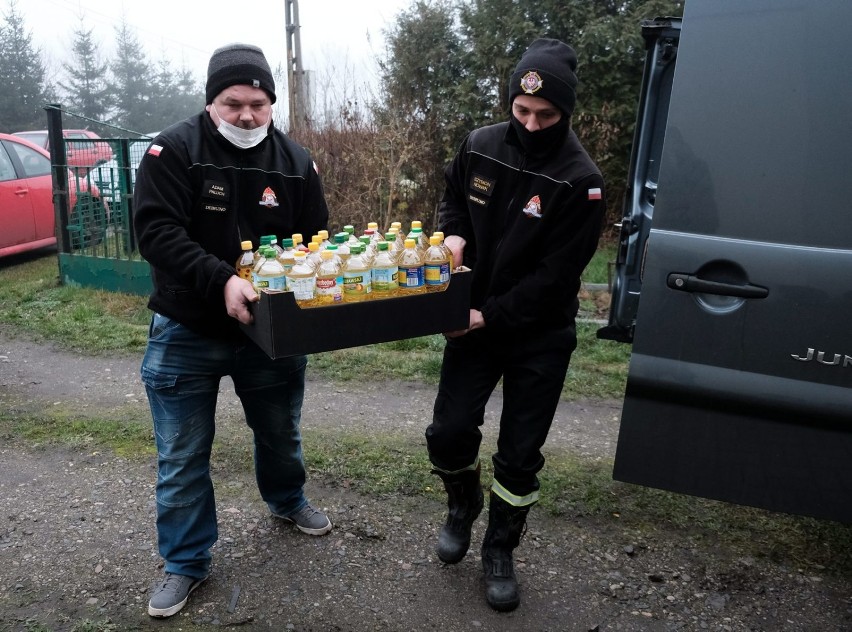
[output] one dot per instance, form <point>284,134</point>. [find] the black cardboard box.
<point>282,328</point>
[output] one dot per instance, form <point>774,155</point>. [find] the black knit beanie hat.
<point>546,70</point>
<point>237,64</point>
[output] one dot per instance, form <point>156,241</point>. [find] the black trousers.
<point>533,368</point>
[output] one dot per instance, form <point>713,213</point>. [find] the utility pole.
<point>295,74</point>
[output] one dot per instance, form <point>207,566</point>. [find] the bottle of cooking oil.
<point>399,244</point>
<point>341,241</point>
<point>446,250</point>
<point>245,264</point>
<point>323,239</point>
<point>273,243</point>
<point>411,270</point>
<point>394,248</point>
<point>357,279</point>
<point>298,242</point>
<point>415,225</point>
<point>351,237</point>
<point>385,272</point>
<point>421,241</point>
<point>269,276</point>
<point>313,256</point>
<point>374,226</point>
<point>264,242</point>
<point>436,266</point>
<point>287,251</point>
<point>300,280</point>
<point>369,251</point>
<point>259,260</point>
<point>329,289</point>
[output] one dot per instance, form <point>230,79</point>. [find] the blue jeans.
<point>181,371</point>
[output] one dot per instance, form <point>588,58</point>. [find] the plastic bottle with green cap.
<point>357,277</point>
<point>269,276</point>
<point>385,272</point>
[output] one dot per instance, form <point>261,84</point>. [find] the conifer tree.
<point>132,81</point>
<point>86,89</point>
<point>22,75</point>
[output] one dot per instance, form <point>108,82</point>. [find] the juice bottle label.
<point>244,273</point>
<point>411,278</point>
<point>328,289</point>
<point>357,283</point>
<point>302,288</point>
<point>437,273</point>
<point>276,283</point>
<point>385,279</point>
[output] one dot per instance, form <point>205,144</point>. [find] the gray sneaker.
<point>172,594</point>
<point>309,520</point>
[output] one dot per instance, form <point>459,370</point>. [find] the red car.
<point>26,201</point>
<point>83,148</point>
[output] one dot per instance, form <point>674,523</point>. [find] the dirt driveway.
<point>78,549</point>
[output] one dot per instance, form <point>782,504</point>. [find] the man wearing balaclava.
<point>523,208</point>
<point>204,186</point>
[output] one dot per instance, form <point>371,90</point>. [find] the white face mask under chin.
<point>239,137</point>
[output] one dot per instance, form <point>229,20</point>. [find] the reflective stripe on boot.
<point>506,525</point>
<point>464,501</point>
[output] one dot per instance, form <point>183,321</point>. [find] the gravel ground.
<point>78,546</point>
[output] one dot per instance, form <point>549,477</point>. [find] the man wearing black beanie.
<point>205,186</point>
<point>523,208</point>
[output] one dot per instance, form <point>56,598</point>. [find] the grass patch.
<point>411,360</point>
<point>598,270</point>
<point>56,426</point>
<point>598,367</point>
<point>80,319</point>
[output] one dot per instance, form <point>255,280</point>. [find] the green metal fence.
<point>93,199</point>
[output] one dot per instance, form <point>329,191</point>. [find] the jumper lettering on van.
<point>836,360</point>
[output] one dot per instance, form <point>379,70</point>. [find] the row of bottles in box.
<point>349,268</point>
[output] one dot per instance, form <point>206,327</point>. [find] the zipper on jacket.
<point>508,213</point>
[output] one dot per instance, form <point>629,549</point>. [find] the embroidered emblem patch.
<point>533,207</point>
<point>531,82</point>
<point>268,198</point>
<point>595,194</point>
<point>155,150</point>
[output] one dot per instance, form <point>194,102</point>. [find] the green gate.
<point>93,202</point>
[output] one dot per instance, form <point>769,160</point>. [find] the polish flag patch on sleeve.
<point>595,194</point>
<point>155,150</point>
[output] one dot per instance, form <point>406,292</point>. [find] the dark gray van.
<point>737,297</point>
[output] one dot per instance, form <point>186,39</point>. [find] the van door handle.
<point>690,283</point>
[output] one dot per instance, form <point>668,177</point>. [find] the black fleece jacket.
<point>197,197</point>
<point>531,225</point>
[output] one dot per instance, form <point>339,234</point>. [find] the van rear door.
<point>740,381</point>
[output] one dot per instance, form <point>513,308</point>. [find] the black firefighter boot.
<point>506,525</point>
<point>465,501</point>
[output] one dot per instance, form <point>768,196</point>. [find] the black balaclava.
<point>546,70</point>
